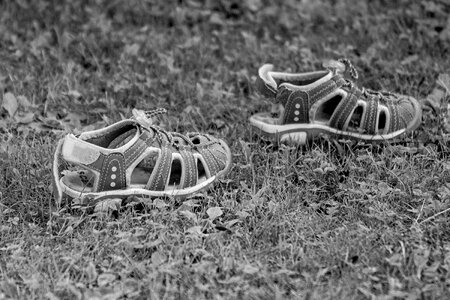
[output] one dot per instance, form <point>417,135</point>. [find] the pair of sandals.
<point>135,157</point>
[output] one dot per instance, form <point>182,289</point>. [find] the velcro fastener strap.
<point>78,151</point>
<point>136,150</point>
<point>325,88</point>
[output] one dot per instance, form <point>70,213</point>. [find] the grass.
<point>334,220</point>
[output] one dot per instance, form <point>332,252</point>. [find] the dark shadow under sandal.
<point>308,104</point>
<point>134,157</point>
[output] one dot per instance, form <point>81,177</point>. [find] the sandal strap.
<point>283,95</point>
<point>265,89</point>
<point>371,115</point>
<point>296,108</point>
<point>79,152</point>
<point>109,168</point>
<point>137,149</point>
<point>112,173</point>
<point>113,168</point>
<point>298,103</point>
<point>324,89</point>
<point>210,165</point>
<point>190,171</point>
<point>394,117</point>
<point>345,109</point>
<point>161,171</point>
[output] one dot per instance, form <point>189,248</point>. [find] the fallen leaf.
<point>9,289</point>
<point>247,151</point>
<point>189,215</point>
<point>214,212</point>
<point>196,230</point>
<point>51,296</point>
<point>254,5</point>
<point>132,49</point>
<point>108,205</point>
<point>105,279</point>
<point>33,282</point>
<point>10,103</point>
<point>130,287</point>
<point>158,258</point>
<point>23,102</point>
<point>159,203</point>
<point>434,99</point>
<point>395,260</point>
<point>410,59</point>
<point>192,41</point>
<point>169,62</point>
<point>200,91</point>
<point>74,94</point>
<point>91,272</point>
<point>26,118</point>
<point>250,270</point>
<point>445,33</point>
<point>232,222</point>
<point>242,214</point>
<point>420,256</point>
<point>444,81</point>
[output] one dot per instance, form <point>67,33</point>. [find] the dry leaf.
<point>249,269</point>
<point>25,118</point>
<point>410,59</point>
<point>189,215</point>
<point>192,41</point>
<point>91,272</point>
<point>23,102</point>
<point>247,151</point>
<point>214,212</point>
<point>196,230</point>
<point>254,5</point>
<point>242,214</point>
<point>108,205</point>
<point>159,203</point>
<point>420,257</point>
<point>10,103</point>
<point>105,279</point>
<point>74,94</point>
<point>158,258</point>
<point>132,49</point>
<point>436,96</point>
<point>445,33</point>
<point>444,81</point>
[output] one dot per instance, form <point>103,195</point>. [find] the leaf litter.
<point>161,245</point>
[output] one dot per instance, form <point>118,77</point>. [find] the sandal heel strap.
<point>265,89</point>
<point>78,151</point>
<point>57,170</point>
<point>265,84</point>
